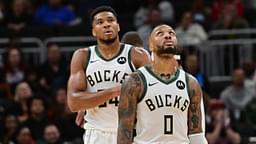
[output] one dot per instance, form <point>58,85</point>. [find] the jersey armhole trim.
<point>88,58</point>
<point>187,81</point>
<point>143,94</point>
<point>130,60</point>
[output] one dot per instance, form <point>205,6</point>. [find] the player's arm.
<point>78,97</point>
<point>130,93</point>
<point>140,57</point>
<point>196,114</point>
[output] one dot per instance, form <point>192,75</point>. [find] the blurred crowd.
<point>33,100</point>
<point>33,106</point>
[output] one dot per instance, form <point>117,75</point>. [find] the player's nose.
<point>106,24</point>
<point>167,36</point>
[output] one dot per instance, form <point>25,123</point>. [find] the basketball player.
<point>96,75</point>
<point>166,101</point>
<point>132,38</point>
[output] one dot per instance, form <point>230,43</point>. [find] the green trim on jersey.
<point>99,54</point>
<point>187,81</point>
<point>161,80</point>
<point>88,58</point>
<point>145,86</point>
<point>130,60</point>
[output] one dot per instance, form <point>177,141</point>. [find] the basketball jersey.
<point>163,109</point>
<point>103,74</point>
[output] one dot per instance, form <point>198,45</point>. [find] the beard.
<point>167,50</point>
<point>108,41</point>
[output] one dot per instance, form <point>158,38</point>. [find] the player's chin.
<point>166,55</point>
<point>168,46</point>
<point>108,37</point>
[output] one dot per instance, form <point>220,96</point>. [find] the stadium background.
<point>37,40</point>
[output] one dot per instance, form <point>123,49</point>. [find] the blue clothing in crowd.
<point>54,16</point>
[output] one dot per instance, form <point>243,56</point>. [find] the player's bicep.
<point>130,92</point>
<point>77,81</point>
<point>195,112</point>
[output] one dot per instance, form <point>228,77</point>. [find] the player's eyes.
<point>110,20</point>
<point>172,33</point>
<point>159,33</point>
<point>99,22</point>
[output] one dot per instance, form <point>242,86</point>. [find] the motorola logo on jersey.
<point>121,60</point>
<point>180,84</point>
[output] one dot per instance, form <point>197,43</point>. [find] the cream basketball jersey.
<point>162,111</point>
<point>103,74</point>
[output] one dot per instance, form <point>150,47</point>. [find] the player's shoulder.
<point>193,82</point>
<point>139,51</point>
<point>140,56</point>
<point>80,56</point>
<point>190,78</point>
<point>135,82</point>
<point>133,77</point>
<point>81,52</point>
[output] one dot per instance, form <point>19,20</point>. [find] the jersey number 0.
<point>168,124</point>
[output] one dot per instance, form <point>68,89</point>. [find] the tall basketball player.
<point>96,75</point>
<point>166,101</point>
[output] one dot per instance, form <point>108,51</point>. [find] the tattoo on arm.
<point>194,112</point>
<point>130,92</point>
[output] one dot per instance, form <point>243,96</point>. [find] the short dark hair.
<point>133,38</point>
<point>102,9</point>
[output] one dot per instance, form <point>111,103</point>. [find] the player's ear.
<point>118,27</point>
<point>93,33</point>
<point>150,43</point>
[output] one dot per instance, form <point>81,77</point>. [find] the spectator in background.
<point>249,68</point>
<point>37,117</point>
<point>11,123</point>
<point>219,128</point>
<point>14,66</point>
<point>23,136</point>
<point>247,127</point>
<point>17,18</point>
<point>55,13</point>
<point>132,38</point>
<point>51,135</point>
<point>140,16</point>
<point>192,66</point>
<point>53,72</point>
<point>219,5</point>
<point>190,33</point>
<point>5,89</point>
<point>153,19</point>
<point>201,14</point>
<point>22,94</point>
<point>60,114</point>
<point>250,11</point>
<point>229,19</point>
<point>2,7</point>
<point>237,95</point>
<point>167,11</point>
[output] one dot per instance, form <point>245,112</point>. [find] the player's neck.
<point>109,50</point>
<point>164,66</point>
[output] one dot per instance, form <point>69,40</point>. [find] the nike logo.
<point>151,84</point>
<point>93,61</point>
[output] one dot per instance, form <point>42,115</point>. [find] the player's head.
<point>133,38</point>
<point>105,27</point>
<point>163,41</point>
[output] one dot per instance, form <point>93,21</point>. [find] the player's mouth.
<point>108,32</point>
<point>169,43</point>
